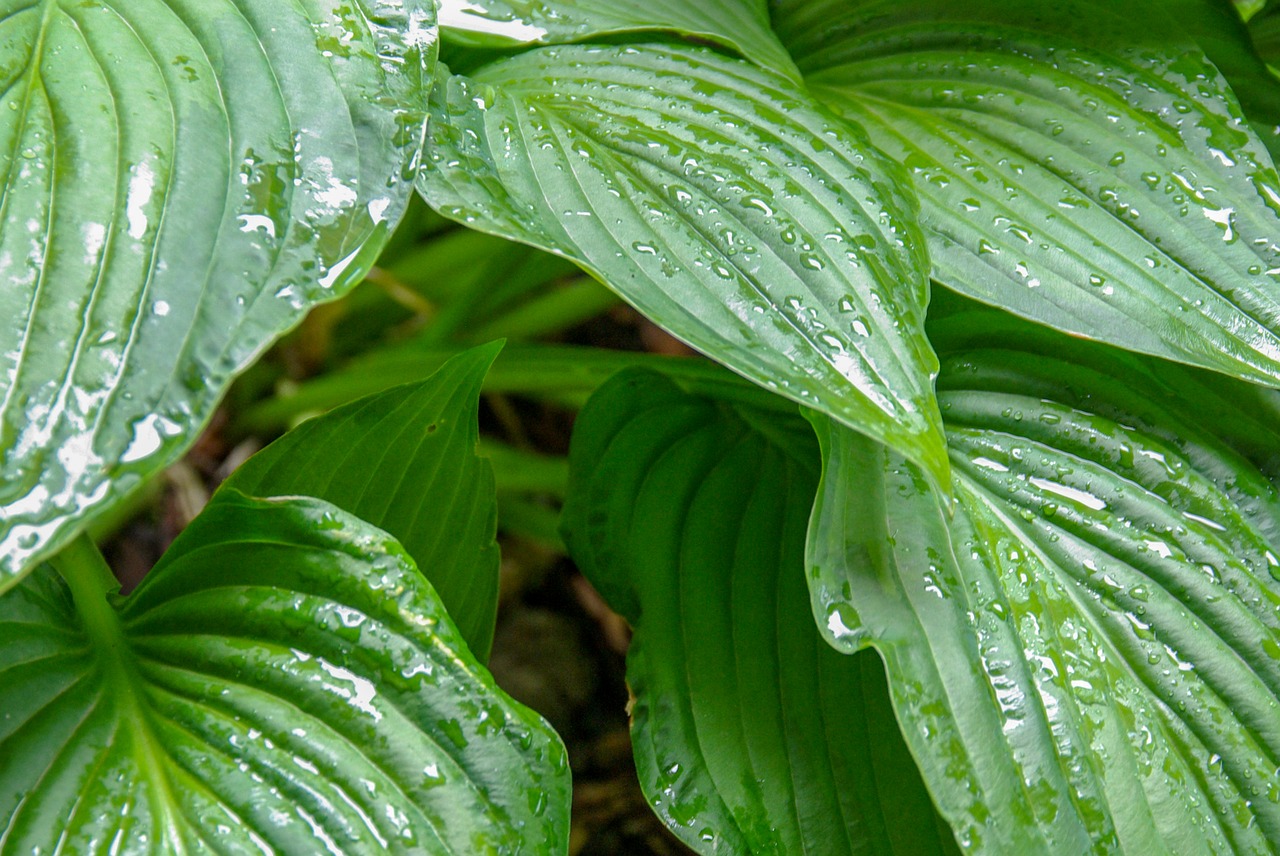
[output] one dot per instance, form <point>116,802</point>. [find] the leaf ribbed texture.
<point>1086,656</point>
<point>405,460</point>
<point>751,734</point>
<point>180,181</point>
<point>1080,164</point>
<point>740,25</point>
<point>284,681</point>
<point>722,203</point>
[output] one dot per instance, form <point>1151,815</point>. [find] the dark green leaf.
<point>182,180</point>
<point>1086,655</point>
<point>284,681</point>
<point>751,734</point>
<point>741,25</point>
<point>405,461</point>
<point>718,200</point>
<point>1080,164</point>
<point>1265,29</point>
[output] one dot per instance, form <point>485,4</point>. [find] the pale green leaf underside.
<point>751,734</point>
<point>1087,655</point>
<point>180,181</point>
<point>405,461</point>
<point>286,681</point>
<point>1079,164</point>
<point>719,201</point>
<point>741,25</point>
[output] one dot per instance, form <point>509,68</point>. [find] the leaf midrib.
<point>89,579</point>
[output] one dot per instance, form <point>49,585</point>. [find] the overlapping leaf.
<point>1086,656</point>
<point>1080,164</point>
<point>181,180</point>
<point>1226,42</point>
<point>284,681</point>
<point>751,735</point>
<point>405,461</point>
<point>741,25</point>
<point>722,203</point>
<point>1265,30</point>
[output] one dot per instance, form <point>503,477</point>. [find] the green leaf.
<point>1080,164</point>
<point>1226,42</point>
<point>718,200</point>
<point>1265,30</point>
<point>740,25</point>
<point>1086,654</point>
<point>181,181</point>
<point>751,734</point>
<point>405,461</point>
<point>284,681</point>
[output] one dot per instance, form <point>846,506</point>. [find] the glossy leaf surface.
<point>751,734</point>
<point>719,201</point>
<point>1080,164</point>
<point>740,25</point>
<point>1226,41</point>
<point>405,461</point>
<point>1086,656</point>
<point>284,681</point>
<point>181,181</point>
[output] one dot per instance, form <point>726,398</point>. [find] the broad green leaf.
<point>718,200</point>
<point>740,25</point>
<point>1167,400</point>
<point>1080,164</point>
<point>405,461</point>
<point>284,681</point>
<point>751,734</point>
<point>182,179</point>
<point>1226,42</point>
<point>1085,655</point>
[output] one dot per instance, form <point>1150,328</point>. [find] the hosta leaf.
<point>284,681</point>
<point>1080,164</point>
<point>181,180</point>
<point>751,734</point>
<point>741,25</point>
<point>1086,655</point>
<point>1167,400</point>
<point>1225,40</point>
<point>719,201</point>
<point>405,461</point>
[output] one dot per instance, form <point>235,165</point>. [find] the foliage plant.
<point>964,537</point>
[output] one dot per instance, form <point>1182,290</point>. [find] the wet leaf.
<point>1080,164</point>
<point>284,681</point>
<point>751,734</point>
<point>405,461</point>
<point>1085,656</point>
<point>722,203</point>
<point>740,25</point>
<point>1227,43</point>
<point>181,182</point>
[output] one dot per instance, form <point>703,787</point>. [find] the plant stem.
<point>516,471</point>
<point>562,374</point>
<point>86,573</point>
<point>90,579</point>
<point>531,520</point>
<point>557,310</point>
